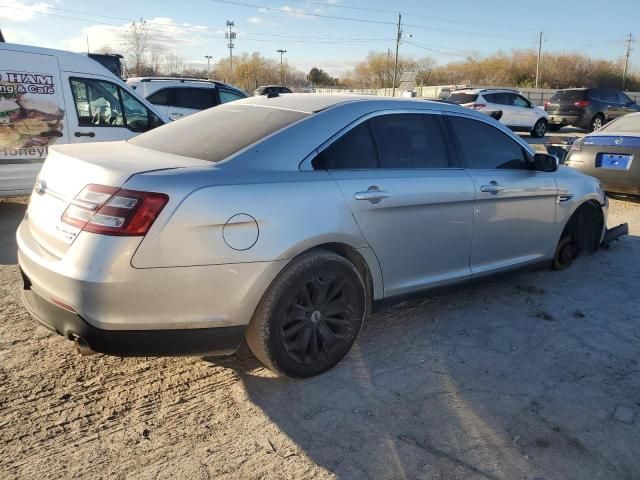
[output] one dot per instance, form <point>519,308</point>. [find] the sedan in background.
<point>611,154</point>
<point>284,220</point>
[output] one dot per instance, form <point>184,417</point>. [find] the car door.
<point>614,108</point>
<point>104,111</point>
<point>503,102</point>
<point>186,101</point>
<point>525,112</point>
<point>413,206</point>
<point>515,207</point>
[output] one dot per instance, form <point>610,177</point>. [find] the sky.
<point>330,34</point>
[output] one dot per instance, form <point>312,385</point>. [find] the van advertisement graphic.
<point>30,115</point>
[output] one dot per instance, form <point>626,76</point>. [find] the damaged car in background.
<point>284,220</point>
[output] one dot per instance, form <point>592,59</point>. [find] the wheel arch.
<point>586,224</point>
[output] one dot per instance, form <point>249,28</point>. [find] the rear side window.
<point>410,141</point>
<point>569,95</point>
<point>461,98</point>
<point>355,150</point>
<point>482,146</point>
<point>193,98</point>
<point>161,97</point>
<point>499,98</point>
<point>217,133</point>
<point>605,95</point>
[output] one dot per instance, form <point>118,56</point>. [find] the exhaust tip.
<point>81,345</point>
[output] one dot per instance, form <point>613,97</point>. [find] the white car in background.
<point>179,97</point>
<point>518,113</point>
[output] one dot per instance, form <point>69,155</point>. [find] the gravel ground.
<point>532,376</point>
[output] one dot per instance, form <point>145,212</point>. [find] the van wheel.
<point>596,122</point>
<point>565,253</point>
<point>539,129</point>
<point>309,317</point>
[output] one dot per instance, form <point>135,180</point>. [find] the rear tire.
<point>539,129</point>
<point>596,122</point>
<point>310,316</point>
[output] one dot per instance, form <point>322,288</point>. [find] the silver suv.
<point>178,97</point>
<point>285,220</point>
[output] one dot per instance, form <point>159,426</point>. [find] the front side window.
<point>355,150</point>
<point>483,146</point>
<point>97,103</point>
<point>519,101</point>
<point>624,99</point>
<point>227,96</point>
<point>410,141</point>
<point>193,98</point>
<point>103,104</point>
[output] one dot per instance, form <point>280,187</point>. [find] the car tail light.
<point>477,106</point>
<point>577,145</point>
<point>581,103</point>
<point>113,211</point>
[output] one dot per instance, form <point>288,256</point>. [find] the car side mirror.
<point>543,162</point>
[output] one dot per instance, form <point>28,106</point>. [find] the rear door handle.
<point>493,187</point>
<point>85,134</point>
<point>373,195</point>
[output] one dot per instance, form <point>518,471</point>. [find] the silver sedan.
<point>285,220</point>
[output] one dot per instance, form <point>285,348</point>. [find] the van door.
<point>101,110</point>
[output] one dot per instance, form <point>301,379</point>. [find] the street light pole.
<point>208,57</point>
<point>281,52</point>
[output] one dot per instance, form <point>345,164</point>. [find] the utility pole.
<point>539,55</point>
<point>626,61</point>
<point>388,65</point>
<point>231,36</point>
<point>395,69</point>
<point>281,52</point>
<point>208,57</point>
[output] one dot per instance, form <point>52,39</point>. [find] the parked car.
<point>179,97</point>
<point>587,108</point>
<point>54,97</point>
<point>609,153</point>
<point>271,89</point>
<point>518,113</point>
<point>283,220</point>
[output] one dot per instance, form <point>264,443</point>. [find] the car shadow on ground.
<point>11,214</point>
<point>514,378</point>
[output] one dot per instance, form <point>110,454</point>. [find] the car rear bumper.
<point>130,343</point>
<point>564,120</point>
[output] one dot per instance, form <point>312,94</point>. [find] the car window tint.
<point>137,116</point>
<point>354,150</point>
<point>97,103</point>
<point>461,98</point>
<point>623,98</point>
<point>571,95</point>
<point>193,98</point>
<point>227,96</point>
<point>609,96</point>
<point>483,146</point>
<point>161,97</point>
<point>409,141</point>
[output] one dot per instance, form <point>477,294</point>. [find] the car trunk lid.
<point>70,168</point>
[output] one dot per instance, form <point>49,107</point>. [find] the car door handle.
<point>493,187</point>
<point>373,195</point>
<point>85,134</point>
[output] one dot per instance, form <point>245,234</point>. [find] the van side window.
<point>103,104</point>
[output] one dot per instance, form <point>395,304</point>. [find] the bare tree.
<point>155,59</point>
<point>137,43</point>
<point>173,64</point>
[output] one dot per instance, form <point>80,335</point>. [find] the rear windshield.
<point>626,124</point>
<point>569,95</point>
<point>461,98</point>
<point>219,132</point>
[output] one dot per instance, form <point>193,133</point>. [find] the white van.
<point>51,97</point>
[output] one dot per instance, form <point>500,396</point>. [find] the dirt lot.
<point>533,376</point>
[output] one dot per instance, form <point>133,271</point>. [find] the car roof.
<point>313,102</point>
<point>483,90</point>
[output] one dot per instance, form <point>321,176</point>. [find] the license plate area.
<point>614,161</point>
